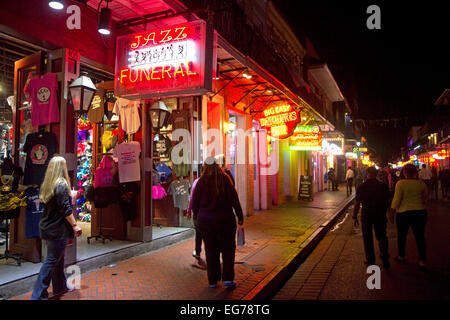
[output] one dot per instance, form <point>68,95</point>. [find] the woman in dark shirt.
<point>56,226</point>
<point>213,201</point>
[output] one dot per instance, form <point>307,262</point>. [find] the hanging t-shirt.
<point>40,148</point>
<point>179,119</point>
<point>33,213</point>
<point>127,155</point>
<point>44,100</point>
<point>128,111</point>
<point>164,172</point>
<point>97,109</point>
<point>180,191</point>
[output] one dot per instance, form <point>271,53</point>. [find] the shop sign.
<point>351,155</point>
<point>333,146</point>
<point>279,120</point>
<point>441,155</point>
<point>306,138</point>
<point>305,190</point>
<point>174,60</point>
<point>359,149</point>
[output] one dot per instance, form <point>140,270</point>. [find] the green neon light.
<point>304,148</point>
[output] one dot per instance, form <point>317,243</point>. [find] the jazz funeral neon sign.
<point>157,62</point>
<point>279,120</point>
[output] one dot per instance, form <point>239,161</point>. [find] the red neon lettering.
<point>189,64</point>
<point>166,71</point>
<point>154,71</point>
<point>181,35</point>
<point>178,70</point>
<point>137,75</point>
<point>166,35</point>
<point>151,36</point>
<point>136,44</point>
<point>146,73</point>
<point>122,75</point>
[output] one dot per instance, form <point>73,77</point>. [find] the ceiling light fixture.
<point>56,4</point>
<point>247,75</point>
<point>104,25</point>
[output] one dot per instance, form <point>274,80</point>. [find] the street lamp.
<point>159,114</point>
<point>56,4</point>
<point>82,91</point>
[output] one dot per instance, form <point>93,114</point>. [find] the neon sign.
<point>165,62</point>
<point>306,138</point>
<point>279,120</point>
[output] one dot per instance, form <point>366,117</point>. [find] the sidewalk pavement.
<point>277,240</point>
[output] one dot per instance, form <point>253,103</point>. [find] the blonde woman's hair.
<point>56,173</point>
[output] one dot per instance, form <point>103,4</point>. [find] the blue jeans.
<point>52,270</point>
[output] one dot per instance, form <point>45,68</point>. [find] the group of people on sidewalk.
<point>214,204</point>
<point>406,206</point>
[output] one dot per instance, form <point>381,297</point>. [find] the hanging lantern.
<point>82,91</point>
<point>159,115</point>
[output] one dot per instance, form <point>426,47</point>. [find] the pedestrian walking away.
<point>57,226</point>
<point>330,179</point>
<point>409,206</point>
<point>349,178</point>
<point>213,201</point>
<point>425,175</point>
<point>374,196</point>
<point>434,183</point>
<point>444,178</point>
<point>198,236</point>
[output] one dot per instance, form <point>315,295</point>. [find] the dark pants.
<point>349,185</point>
<point>52,270</point>
<point>335,184</point>
<point>444,189</point>
<point>416,220</point>
<point>434,188</point>
<point>198,241</point>
<point>376,221</point>
<point>219,238</point>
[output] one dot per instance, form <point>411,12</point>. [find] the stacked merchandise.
<point>84,164</point>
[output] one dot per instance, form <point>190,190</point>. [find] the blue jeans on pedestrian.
<point>52,270</point>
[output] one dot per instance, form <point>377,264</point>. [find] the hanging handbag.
<point>240,236</point>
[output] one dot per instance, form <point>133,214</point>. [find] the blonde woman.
<point>56,226</point>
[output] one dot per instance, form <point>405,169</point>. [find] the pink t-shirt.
<point>44,100</point>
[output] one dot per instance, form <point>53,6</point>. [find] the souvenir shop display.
<point>42,90</point>
<point>128,112</point>
<point>179,189</point>
<point>34,211</point>
<point>105,191</point>
<point>84,164</point>
<point>10,203</point>
<point>127,155</point>
<point>128,200</point>
<point>97,109</point>
<point>40,148</point>
<point>5,139</point>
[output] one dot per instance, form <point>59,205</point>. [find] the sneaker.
<point>229,284</point>
<point>213,285</point>
<point>195,255</point>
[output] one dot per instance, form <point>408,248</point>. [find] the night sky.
<point>397,72</point>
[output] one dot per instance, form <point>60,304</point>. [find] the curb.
<point>22,286</point>
<point>278,276</point>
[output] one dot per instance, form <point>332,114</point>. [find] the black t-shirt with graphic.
<point>40,148</point>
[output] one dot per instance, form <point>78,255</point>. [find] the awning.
<point>270,88</point>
